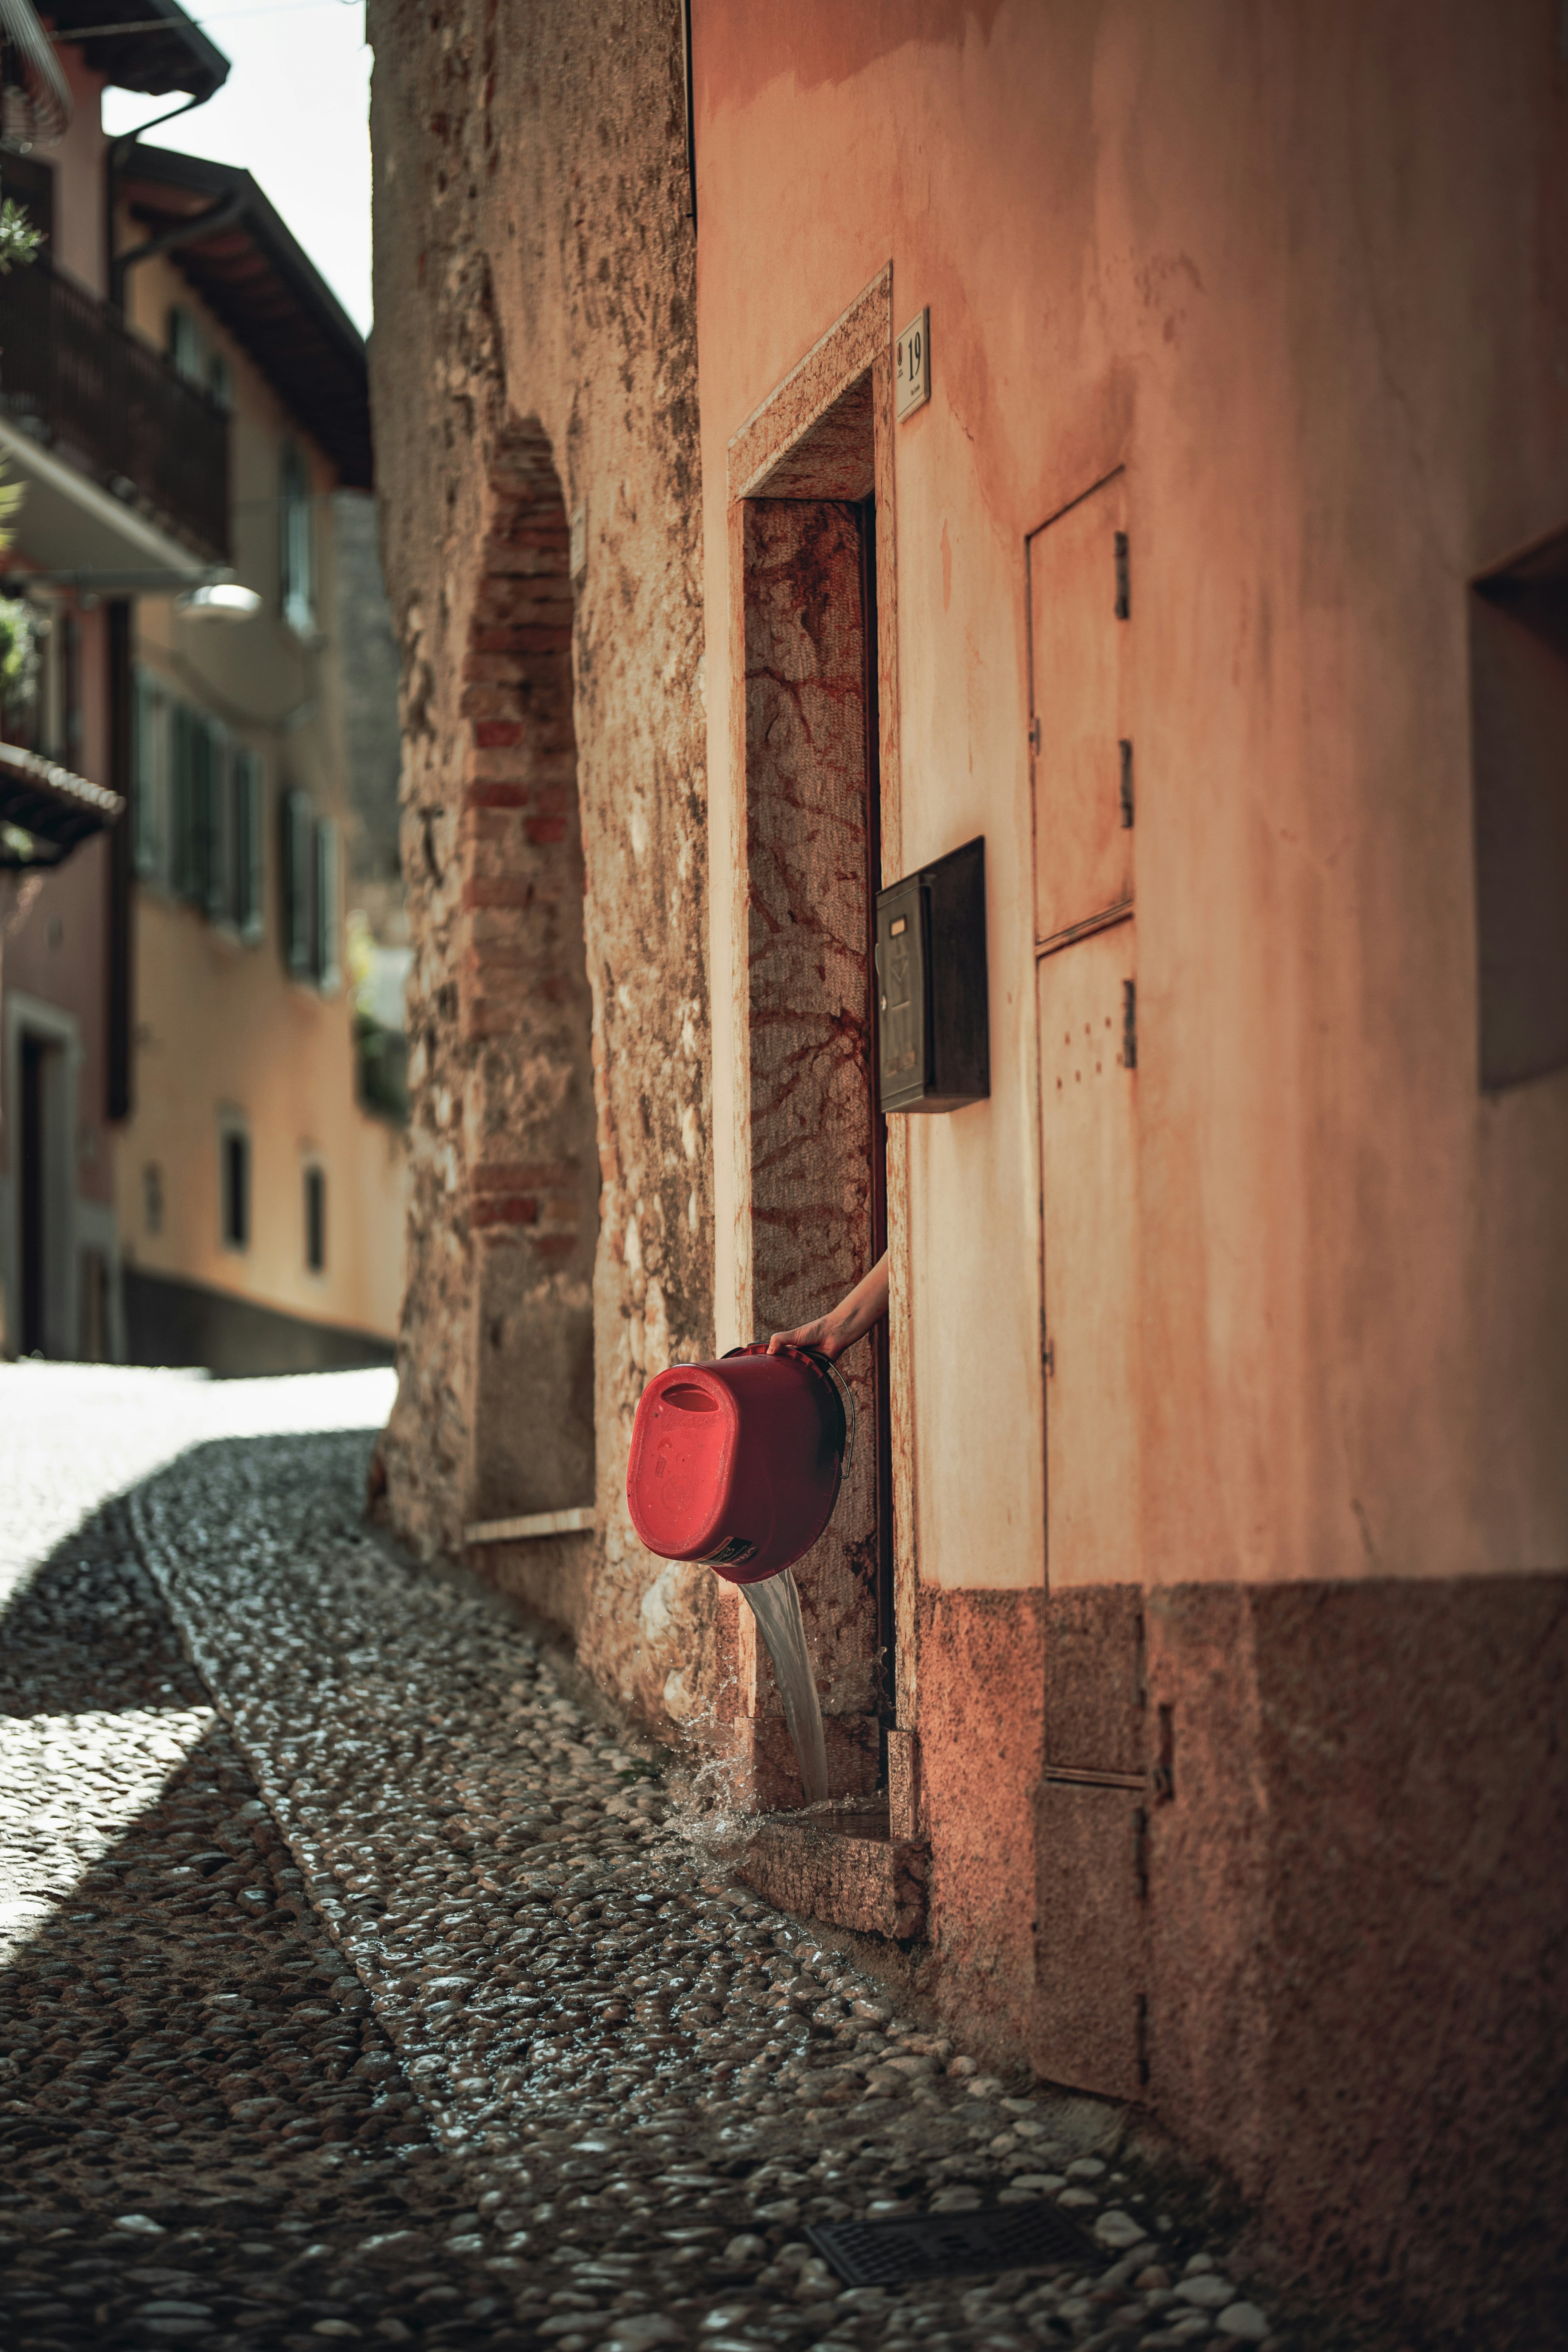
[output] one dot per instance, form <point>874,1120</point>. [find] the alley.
<point>359,1984</point>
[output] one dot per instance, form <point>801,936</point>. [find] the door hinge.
<point>1034,737</point>
<point>1123,579</point>
<point>1162,1780</point>
<point>1130,1025</point>
<point>1048,1358</point>
<point>1126,793</point>
<point>1140,1852</point>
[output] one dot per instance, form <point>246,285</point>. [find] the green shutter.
<point>206,877</point>
<point>144,779</point>
<point>247,909</point>
<point>181,825</point>
<point>328,973</point>
<point>299,884</point>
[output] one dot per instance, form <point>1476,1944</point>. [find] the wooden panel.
<point>1090,1966</point>
<point>1089,1172</point>
<point>1079,672</point>
<point>1094,1678</point>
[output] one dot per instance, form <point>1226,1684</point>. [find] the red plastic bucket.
<point>738,1462</point>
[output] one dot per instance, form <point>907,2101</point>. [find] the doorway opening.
<point>818,1143</point>
<point>44,1204</point>
<point>1518,704</point>
<point>527,1020</point>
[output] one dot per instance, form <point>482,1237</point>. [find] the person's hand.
<point>820,1335</point>
<point>843,1324</point>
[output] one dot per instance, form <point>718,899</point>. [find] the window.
<point>220,382</point>
<point>245,899</point>
<point>191,805</point>
<point>183,343</point>
<point>295,553</point>
<point>234,1175</point>
<point>311,932</point>
<point>316,1220</point>
<point>214,801</point>
<point>1519,728</point>
<point>1519,717</point>
<point>326,909</point>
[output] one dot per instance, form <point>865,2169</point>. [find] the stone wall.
<point>533,367</point>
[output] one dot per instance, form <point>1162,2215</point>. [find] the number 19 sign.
<point>911,366</point>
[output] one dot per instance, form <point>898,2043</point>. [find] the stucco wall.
<point>1293,278</point>
<point>1258,258</point>
<point>534,270</point>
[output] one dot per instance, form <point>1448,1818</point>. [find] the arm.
<point>843,1324</point>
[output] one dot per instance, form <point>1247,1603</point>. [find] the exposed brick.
<point>505,1210</point>
<point>518,1176</point>
<point>498,891</point>
<point>490,793</point>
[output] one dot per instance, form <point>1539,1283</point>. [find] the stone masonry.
<point>363,1979</point>
<point>534,385</point>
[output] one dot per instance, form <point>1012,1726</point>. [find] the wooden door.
<point>1090,1889</point>
<point>1088,1013</point>
<point>1082,639</point>
<point>1080,643</point>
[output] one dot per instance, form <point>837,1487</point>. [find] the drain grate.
<point>910,2246</point>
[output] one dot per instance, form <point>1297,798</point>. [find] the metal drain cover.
<point>910,2246</point>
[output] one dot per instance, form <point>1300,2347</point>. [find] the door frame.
<point>31,1016</point>
<point>859,344</point>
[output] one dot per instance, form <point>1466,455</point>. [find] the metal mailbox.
<point>933,1049</point>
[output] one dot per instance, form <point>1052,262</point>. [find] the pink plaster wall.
<point>1298,273</point>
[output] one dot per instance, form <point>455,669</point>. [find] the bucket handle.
<point>822,1364</point>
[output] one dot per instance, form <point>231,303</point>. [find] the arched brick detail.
<point>525,1011</point>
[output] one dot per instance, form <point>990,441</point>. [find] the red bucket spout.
<point>738,1462</point>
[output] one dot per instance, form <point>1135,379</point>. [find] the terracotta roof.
<point>252,275</point>
<point>50,804</point>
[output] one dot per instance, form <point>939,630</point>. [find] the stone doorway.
<point>812,557</point>
<point>819,1144</point>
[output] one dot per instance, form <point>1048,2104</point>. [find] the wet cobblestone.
<point>359,1983</point>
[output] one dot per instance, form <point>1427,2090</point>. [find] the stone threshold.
<point>841,1866</point>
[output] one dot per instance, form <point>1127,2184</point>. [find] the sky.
<point>295,113</point>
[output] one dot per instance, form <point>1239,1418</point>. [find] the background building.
<point>188,410</point>
<point>261,1199</point>
<point>1198,1618</point>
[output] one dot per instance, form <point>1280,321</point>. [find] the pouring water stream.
<point>775,1605</point>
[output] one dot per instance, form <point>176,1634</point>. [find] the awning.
<point>53,808</point>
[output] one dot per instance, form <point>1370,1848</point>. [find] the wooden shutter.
<point>248,836</point>
<point>298,885</point>
<point>328,972</point>
<point>145,780</point>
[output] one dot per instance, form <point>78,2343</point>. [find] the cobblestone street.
<point>363,1981</point>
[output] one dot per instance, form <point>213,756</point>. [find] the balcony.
<point>75,381</point>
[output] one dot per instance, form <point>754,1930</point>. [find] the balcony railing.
<point>72,374</point>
